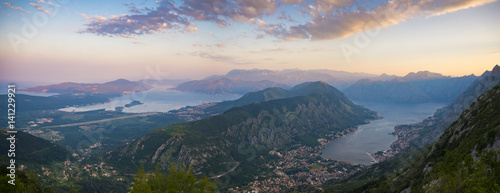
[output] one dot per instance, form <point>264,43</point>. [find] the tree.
<point>179,179</point>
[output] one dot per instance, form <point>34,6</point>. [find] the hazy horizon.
<point>26,84</point>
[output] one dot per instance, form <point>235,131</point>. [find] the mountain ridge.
<point>114,88</point>
<point>440,89</point>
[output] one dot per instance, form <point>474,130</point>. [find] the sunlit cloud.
<point>339,19</point>
<point>326,19</point>
<point>40,8</point>
<point>10,5</point>
<point>221,58</point>
<point>220,45</point>
<point>158,20</point>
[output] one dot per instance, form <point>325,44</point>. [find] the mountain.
<point>31,150</point>
<point>240,81</point>
<point>413,88</point>
<point>249,98</point>
<point>384,77</point>
<point>114,88</point>
<point>464,159</point>
<point>244,135</point>
<point>225,86</point>
<point>421,75</point>
<point>28,102</point>
<point>288,76</point>
<point>427,131</point>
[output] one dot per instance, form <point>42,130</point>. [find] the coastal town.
<point>301,165</point>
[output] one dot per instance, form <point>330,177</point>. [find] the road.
<point>100,121</point>
<point>231,170</point>
<point>371,156</point>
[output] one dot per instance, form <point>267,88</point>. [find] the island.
<point>133,103</point>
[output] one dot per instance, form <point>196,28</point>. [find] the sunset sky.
<point>97,41</point>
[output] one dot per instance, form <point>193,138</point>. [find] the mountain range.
<point>114,88</point>
<point>244,81</point>
<point>417,87</point>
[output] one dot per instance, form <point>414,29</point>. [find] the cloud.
<point>45,2</point>
<point>224,11</point>
<point>280,31</point>
<point>159,20</point>
<point>221,58</point>
<point>343,18</point>
<point>132,8</point>
<point>290,2</point>
<point>169,16</point>
<point>12,7</point>
<point>40,8</point>
<point>274,50</point>
<point>325,19</point>
<point>221,45</point>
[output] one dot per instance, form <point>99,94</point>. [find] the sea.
<point>158,99</point>
<point>375,136</point>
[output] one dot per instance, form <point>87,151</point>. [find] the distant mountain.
<point>115,88</point>
<point>283,78</point>
<point>225,86</point>
<point>414,87</point>
<point>28,102</point>
<point>384,77</point>
<point>300,115</point>
<point>296,76</point>
<point>421,75</point>
<point>430,129</point>
<point>464,159</point>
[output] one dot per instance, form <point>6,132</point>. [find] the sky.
<point>95,41</point>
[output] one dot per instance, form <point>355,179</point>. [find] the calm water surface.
<point>374,136</point>
<point>156,100</point>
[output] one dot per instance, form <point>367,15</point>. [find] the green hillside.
<point>33,150</point>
